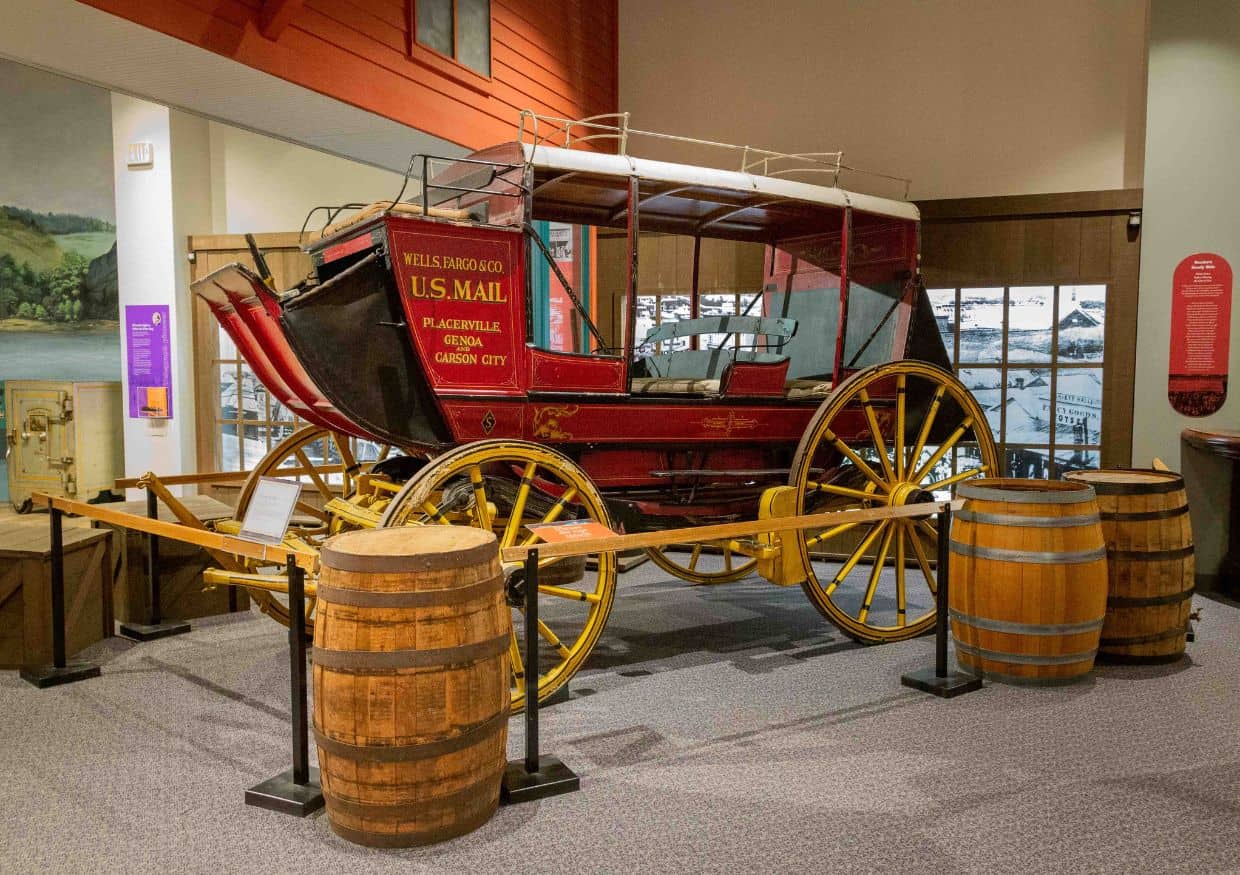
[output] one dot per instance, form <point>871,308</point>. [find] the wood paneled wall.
<point>557,57</point>
<point>1054,239</point>
<point>665,267</point>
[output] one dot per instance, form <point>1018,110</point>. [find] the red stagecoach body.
<point>417,328</point>
<point>429,324</point>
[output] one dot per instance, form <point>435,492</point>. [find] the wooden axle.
<point>269,582</point>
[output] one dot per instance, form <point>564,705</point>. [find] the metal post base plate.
<point>551,779</point>
<point>43,676</point>
<point>284,795</point>
<point>149,632</point>
<point>956,683</point>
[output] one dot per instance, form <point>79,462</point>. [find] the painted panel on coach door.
<point>460,288</point>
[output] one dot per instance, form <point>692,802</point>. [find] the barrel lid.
<point>409,548</point>
<point>1128,481</point>
<point>1018,491</point>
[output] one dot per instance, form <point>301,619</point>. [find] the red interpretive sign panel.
<point>1200,334</point>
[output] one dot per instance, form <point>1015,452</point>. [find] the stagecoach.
<point>825,386</point>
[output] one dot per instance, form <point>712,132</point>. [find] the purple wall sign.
<point>148,350</point>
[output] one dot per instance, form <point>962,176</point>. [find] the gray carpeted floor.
<point>725,729</point>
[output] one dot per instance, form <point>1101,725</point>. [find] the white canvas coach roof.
<point>592,188</point>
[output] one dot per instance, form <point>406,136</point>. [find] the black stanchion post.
<point>296,791</point>
<point>939,680</point>
<point>531,662</point>
<point>536,776</point>
<point>941,596</point>
<point>61,671</point>
<point>156,628</point>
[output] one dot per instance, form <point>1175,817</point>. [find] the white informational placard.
<point>271,508</point>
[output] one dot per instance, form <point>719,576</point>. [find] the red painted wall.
<point>557,57</point>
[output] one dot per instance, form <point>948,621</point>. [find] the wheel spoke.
<point>862,466</point>
<point>553,514</point>
<point>845,491</point>
<point>319,483</point>
<point>348,462</point>
<point>545,631</point>
<point>547,563</point>
<point>830,533</point>
<point>897,439</point>
<point>310,510</point>
<point>875,574</point>
<point>514,656</point>
<point>688,569</point>
<point>481,511</point>
<point>956,478</point>
<point>434,513</point>
<point>571,594</point>
<point>518,507</point>
<point>852,560</point>
<point>926,425</point>
<point>942,450</point>
<point>919,551</point>
<point>876,433</point>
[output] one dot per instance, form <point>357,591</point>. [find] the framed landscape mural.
<point>58,281</point>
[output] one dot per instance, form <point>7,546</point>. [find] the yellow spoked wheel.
<point>886,436</point>
<point>505,486</point>
<point>323,461</point>
<point>320,459</point>
<point>708,563</point>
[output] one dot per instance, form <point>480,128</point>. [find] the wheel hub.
<point>514,586</point>
<point>909,493</point>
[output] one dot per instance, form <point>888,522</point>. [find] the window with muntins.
<point>250,422</point>
<point>458,29</point>
<point>1033,358</point>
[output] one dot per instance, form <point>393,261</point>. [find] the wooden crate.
<point>181,593</point>
<point>26,593</point>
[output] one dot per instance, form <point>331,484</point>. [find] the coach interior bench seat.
<point>793,389</point>
<point>698,371</point>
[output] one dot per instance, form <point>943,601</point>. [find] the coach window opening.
<point>630,317</point>
<point>584,320</point>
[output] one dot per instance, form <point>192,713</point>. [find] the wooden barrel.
<point>411,684</point>
<point>1028,580</point>
<point>1149,562</point>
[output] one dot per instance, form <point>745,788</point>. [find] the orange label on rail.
<point>571,530</point>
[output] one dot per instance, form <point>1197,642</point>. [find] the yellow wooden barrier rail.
<point>210,540</point>
<point>695,534</point>
<point>614,543</point>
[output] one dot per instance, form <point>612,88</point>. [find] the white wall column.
<point>156,207</point>
<point>1192,204</point>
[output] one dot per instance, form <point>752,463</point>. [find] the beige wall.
<point>1192,204</point>
<point>968,97</point>
<point>263,184</point>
